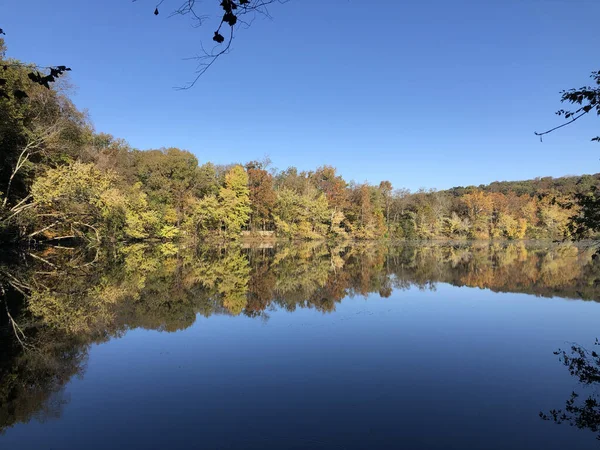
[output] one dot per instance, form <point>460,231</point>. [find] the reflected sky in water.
<point>440,365</point>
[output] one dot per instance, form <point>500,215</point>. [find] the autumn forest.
<point>60,179</point>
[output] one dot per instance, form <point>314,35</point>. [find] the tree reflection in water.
<point>56,302</point>
<point>580,411</point>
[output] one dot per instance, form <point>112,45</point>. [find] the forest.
<point>60,179</point>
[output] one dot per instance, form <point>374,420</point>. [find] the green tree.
<point>169,177</point>
<point>234,200</point>
<point>302,216</point>
<point>44,129</point>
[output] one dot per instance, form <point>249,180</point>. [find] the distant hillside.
<point>568,185</point>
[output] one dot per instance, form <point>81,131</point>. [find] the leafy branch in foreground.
<point>39,74</point>
<point>589,99</point>
<point>235,13</point>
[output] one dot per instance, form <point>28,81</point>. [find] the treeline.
<point>60,179</point>
<point>567,185</point>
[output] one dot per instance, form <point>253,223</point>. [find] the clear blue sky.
<point>430,93</point>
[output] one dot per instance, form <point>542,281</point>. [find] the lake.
<point>416,346</point>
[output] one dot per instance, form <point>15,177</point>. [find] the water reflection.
<point>582,409</point>
<point>56,302</point>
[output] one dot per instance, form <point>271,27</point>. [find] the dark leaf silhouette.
<point>35,77</point>
<point>19,94</point>
<point>218,38</point>
<point>230,18</point>
<point>45,80</point>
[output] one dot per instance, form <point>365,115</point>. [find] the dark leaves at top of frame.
<point>230,18</point>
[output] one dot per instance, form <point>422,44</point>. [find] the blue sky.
<point>430,93</point>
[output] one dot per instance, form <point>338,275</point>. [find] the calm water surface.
<point>415,346</point>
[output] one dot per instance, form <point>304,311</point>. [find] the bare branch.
<point>21,202</point>
<point>234,11</point>
<point>92,227</point>
<point>560,126</point>
<point>587,96</point>
<point>207,60</point>
<point>17,211</point>
<point>35,233</point>
<point>39,258</point>
<point>16,284</point>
